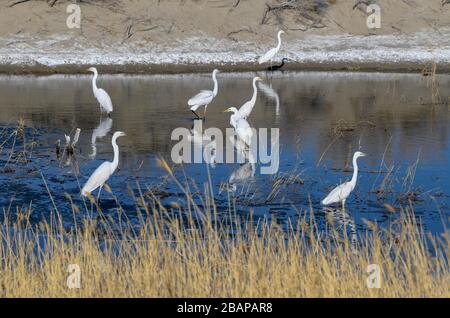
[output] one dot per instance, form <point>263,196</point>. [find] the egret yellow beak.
<point>226,110</point>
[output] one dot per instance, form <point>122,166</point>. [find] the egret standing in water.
<point>341,192</point>
<point>247,108</point>
<point>268,57</point>
<point>240,125</point>
<point>101,95</point>
<point>205,97</point>
<point>104,171</point>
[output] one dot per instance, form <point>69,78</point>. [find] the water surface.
<point>323,118</point>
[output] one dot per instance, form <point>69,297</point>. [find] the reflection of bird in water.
<point>244,152</point>
<point>341,192</point>
<point>268,57</point>
<point>240,125</point>
<point>196,136</point>
<point>209,144</point>
<point>241,174</point>
<point>100,94</point>
<point>210,153</point>
<point>246,170</point>
<point>205,97</point>
<point>279,66</point>
<point>343,218</point>
<point>58,148</point>
<point>104,171</point>
<point>101,131</point>
<point>271,93</point>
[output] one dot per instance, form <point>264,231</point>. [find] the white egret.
<point>247,108</point>
<point>341,192</point>
<point>272,52</point>
<point>101,95</point>
<point>240,125</point>
<point>104,171</point>
<point>243,151</point>
<point>205,97</point>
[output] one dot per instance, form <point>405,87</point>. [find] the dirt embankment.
<point>193,35</point>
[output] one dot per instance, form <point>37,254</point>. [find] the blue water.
<point>322,118</point>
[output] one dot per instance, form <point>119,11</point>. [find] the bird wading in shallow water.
<point>247,108</point>
<point>104,171</point>
<point>342,192</point>
<point>240,125</point>
<point>268,57</point>
<point>102,96</point>
<point>205,97</point>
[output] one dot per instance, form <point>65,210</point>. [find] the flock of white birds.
<point>238,121</point>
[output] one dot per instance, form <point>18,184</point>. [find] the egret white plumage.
<point>247,108</point>
<point>240,125</point>
<point>104,171</point>
<point>268,57</point>
<point>205,97</point>
<point>342,192</point>
<point>101,95</point>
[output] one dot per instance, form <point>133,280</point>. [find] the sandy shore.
<point>193,36</point>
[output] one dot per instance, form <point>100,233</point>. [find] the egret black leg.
<point>198,117</point>
<point>98,195</point>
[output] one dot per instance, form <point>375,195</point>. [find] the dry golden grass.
<point>166,257</point>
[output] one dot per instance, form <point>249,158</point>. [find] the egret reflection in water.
<point>343,219</point>
<point>272,94</point>
<point>103,128</point>
<point>247,169</point>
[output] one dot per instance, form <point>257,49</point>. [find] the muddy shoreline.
<point>204,68</point>
<point>154,37</point>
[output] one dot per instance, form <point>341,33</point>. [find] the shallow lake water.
<point>322,119</point>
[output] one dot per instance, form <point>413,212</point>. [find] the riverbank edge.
<point>145,68</point>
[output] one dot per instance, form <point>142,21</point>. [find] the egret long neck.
<point>233,120</point>
<point>355,171</point>
<point>255,92</point>
<point>279,42</point>
<point>94,82</point>
<point>115,161</point>
<point>216,85</point>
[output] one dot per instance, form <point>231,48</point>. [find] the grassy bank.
<point>167,255</point>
